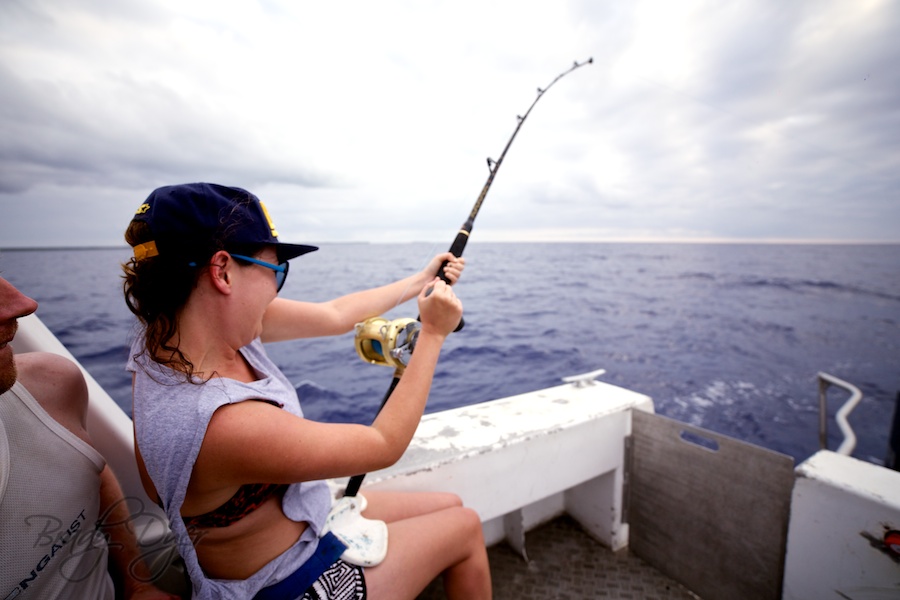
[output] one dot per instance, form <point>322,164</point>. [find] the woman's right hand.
<point>439,309</point>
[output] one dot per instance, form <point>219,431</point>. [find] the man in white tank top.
<point>58,500</point>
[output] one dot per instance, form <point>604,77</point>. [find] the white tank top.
<point>49,507</point>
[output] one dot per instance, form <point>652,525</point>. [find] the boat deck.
<point>566,563</point>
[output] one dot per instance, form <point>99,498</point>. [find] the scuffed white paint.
<point>470,430</point>
<point>840,510</point>
<point>516,454</point>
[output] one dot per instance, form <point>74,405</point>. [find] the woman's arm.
<point>291,449</point>
<point>291,319</point>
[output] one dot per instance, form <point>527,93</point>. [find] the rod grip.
<point>456,249</point>
<point>462,238</point>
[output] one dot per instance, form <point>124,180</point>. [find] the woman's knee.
<point>449,499</point>
<point>470,522</point>
<point>429,502</point>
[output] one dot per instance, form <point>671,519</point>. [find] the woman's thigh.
<point>396,506</point>
<point>420,548</point>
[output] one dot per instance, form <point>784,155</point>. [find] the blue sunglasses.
<point>281,271</point>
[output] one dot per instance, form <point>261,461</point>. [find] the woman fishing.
<point>220,437</point>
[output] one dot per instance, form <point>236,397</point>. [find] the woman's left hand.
<point>453,270</point>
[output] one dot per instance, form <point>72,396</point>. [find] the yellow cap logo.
<point>142,209</point>
<point>268,218</point>
<point>145,250</point>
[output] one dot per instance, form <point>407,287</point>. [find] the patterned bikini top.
<point>248,498</point>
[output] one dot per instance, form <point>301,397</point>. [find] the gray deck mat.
<point>567,564</point>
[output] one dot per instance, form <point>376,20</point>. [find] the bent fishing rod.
<point>391,343</point>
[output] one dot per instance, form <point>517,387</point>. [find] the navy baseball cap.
<point>186,217</point>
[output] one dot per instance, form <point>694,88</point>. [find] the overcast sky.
<point>371,121</point>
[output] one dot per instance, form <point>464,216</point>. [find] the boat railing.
<point>849,442</point>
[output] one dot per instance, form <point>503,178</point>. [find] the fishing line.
<point>393,333</point>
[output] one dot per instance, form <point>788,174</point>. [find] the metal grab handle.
<point>849,443</point>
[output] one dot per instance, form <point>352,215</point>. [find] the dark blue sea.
<point>724,336</point>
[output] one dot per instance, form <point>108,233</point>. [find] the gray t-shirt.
<point>171,417</point>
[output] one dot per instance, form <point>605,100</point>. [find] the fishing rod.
<point>383,342</point>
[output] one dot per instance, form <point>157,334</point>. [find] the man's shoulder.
<point>45,360</point>
<point>58,387</point>
<point>37,368</point>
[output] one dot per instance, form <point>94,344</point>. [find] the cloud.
<point>128,132</point>
<point>750,119</point>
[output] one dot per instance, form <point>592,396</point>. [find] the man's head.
<point>13,305</point>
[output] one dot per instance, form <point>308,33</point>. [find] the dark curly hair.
<point>157,288</point>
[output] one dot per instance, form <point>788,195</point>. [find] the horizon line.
<point>636,240</point>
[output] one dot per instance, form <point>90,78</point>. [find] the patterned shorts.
<point>342,581</point>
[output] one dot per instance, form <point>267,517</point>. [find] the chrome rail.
<point>849,443</point>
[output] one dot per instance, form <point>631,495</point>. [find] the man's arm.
<point>129,565</point>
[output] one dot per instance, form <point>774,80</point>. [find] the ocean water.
<point>725,337</point>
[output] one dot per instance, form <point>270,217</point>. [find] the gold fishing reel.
<point>387,343</point>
